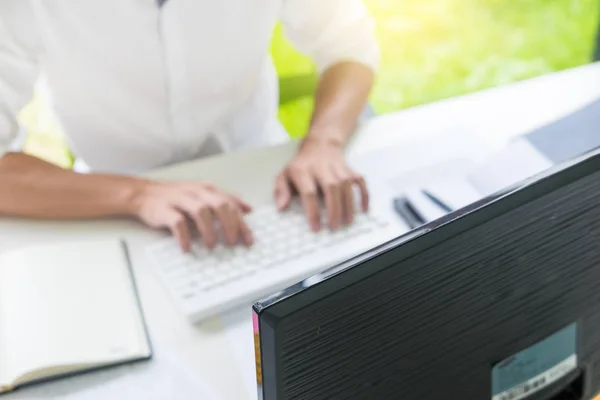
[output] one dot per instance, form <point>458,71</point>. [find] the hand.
<point>320,167</point>
<point>175,205</point>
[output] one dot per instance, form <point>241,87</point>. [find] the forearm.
<point>32,188</point>
<point>341,96</point>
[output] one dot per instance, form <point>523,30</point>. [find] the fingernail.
<point>280,202</point>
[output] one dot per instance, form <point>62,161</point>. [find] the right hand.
<point>175,205</point>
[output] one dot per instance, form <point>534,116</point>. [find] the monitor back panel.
<point>434,325</point>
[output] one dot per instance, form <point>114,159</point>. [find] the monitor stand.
<point>574,390</point>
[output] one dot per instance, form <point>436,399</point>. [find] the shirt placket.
<point>177,90</point>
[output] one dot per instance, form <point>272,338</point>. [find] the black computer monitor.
<point>497,301</point>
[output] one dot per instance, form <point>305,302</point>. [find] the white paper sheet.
<point>455,149</point>
<point>428,210</point>
<point>456,192</point>
<point>445,180</point>
<point>520,160</point>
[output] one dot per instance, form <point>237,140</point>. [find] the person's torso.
<point>137,86</point>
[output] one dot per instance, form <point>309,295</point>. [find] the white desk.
<point>493,116</point>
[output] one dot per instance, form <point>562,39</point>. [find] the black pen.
<point>408,213</point>
<point>438,202</point>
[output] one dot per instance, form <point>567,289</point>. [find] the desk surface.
<point>209,350</point>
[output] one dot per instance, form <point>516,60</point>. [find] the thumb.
<point>283,192</point>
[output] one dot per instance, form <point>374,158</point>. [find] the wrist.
<point>322,139</point>
<point>134,194</point>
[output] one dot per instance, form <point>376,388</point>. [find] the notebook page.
<point>68,304</point>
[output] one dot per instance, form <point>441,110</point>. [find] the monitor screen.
<point>495,301</point>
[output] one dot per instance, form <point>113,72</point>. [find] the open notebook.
<point>67,308</point>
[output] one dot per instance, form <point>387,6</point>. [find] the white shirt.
<point>136,86</point>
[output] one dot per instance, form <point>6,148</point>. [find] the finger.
<point>198,188</point>
<point>364,192</point>
<point>177,224</point>
<point>200,212</point>
<point>226,212</point>
<point>245,231</point>
<point>345,177</point>
<point>330,186</point>
<point>307,189</point>
<point>245,207</point>
<point>283,192</point>
<point>205,222</point>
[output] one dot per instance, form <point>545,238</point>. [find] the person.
<point>141,84</point>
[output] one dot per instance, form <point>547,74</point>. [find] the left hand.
<point>320,168</point>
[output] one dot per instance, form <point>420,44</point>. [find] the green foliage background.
<point>435,49</point>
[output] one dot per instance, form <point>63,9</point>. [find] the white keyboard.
<point>206,282</point>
